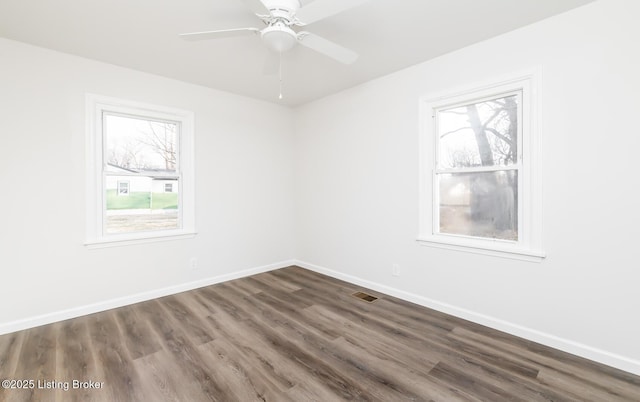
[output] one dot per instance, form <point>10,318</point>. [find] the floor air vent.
<point>366,297</point>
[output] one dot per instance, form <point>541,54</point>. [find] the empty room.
<point>319,200</point>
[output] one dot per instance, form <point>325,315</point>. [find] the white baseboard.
<point>566,345</point>
<point>49,318</point>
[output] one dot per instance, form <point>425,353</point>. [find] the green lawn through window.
<point>141,200</point>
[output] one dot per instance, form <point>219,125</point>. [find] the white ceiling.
<point>389,35</point>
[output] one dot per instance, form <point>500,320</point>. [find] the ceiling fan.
<point>280,18</point>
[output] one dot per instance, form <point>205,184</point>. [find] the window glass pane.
<point>147,207</point>
<point>148,149</point>
<point>479,134</point>
<point>138,145</point>
<point>479,204</point>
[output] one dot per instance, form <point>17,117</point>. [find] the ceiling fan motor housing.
<point>282,8</point>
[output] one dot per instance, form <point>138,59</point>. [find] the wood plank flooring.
<point>292,335</point>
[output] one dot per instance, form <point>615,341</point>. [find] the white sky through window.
<point>139,143</point>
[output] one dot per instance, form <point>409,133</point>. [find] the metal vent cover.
<point>365,296</point>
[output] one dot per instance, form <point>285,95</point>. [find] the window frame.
<point>529,244</point>
<point>96,107</point>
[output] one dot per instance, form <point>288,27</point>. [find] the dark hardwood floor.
<point>292,335</point>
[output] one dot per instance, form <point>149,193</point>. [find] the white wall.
<point>244,187</point>
<point>357,187</point>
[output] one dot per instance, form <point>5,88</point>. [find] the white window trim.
<point>529,244</point>
<point>95,201</point>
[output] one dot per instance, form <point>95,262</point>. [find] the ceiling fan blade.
<point>256,6</point>
<point>221,33</point>
<point>328,48</point>
<point>320,9</point>
<point>271,63</point>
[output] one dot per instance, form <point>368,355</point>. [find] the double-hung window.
<point>479,182</point>
<point>133,150</point>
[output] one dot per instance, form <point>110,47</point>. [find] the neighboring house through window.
<point>131,145</point>
<point>480,186</point>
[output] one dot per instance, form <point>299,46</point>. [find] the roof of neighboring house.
<point>122,168</point>
<point>154,174</point>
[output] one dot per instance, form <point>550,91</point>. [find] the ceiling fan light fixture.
<point>279,38</point>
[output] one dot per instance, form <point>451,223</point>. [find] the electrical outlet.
<point>395,270</point>
<point>193,263</point>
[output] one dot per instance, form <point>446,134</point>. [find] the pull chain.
<point>280,73</point>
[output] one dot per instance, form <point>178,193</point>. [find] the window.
<point>123,188</point>
<point>480,189</point>
<point>130,147</point>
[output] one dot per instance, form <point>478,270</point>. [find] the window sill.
<point>495,249</point>
<point>129,241</point>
